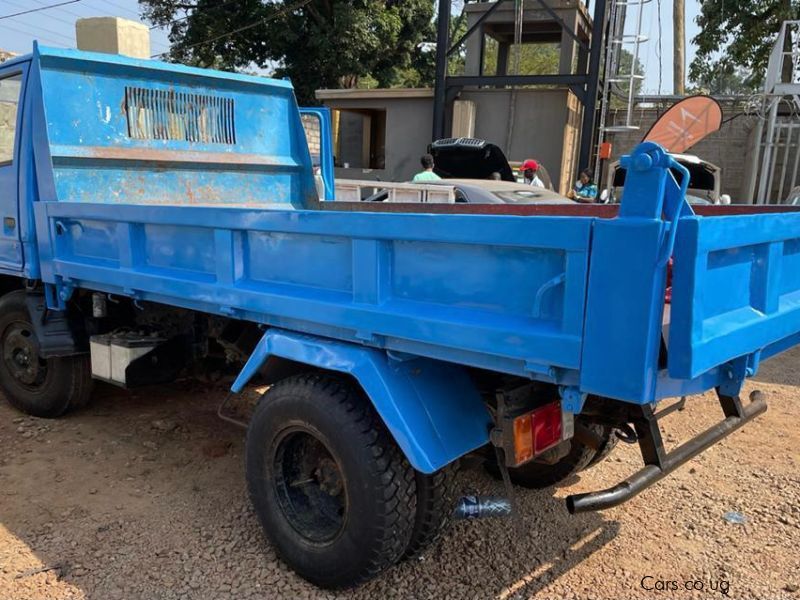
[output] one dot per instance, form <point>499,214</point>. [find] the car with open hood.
<point>705,180</point>
<point>472,158</point>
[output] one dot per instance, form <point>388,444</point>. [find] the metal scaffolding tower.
<point>584,83</point>
<point>619,81</point>
<point>779,128</point>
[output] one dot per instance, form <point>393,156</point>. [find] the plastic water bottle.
<point>481,507</point>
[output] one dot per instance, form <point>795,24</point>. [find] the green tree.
<point>619,97</point>
<point>738,34</point>
<point>725,82</point>
<point>534,59</point>
<point>316,43</point>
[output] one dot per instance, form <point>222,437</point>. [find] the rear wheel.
<point>35,385</point>
<point>333,492</point>
<point>435,505</point>
<point>610,440</point>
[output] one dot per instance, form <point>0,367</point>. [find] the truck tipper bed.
<point>158,219</point>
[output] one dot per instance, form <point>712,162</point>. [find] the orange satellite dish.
<point>686,123</point>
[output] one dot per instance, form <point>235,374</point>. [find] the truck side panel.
<point>504,293</point>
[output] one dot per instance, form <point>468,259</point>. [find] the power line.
<point>183,18</point>
<point>49,16</point>
<point>41,8</point>
<point>37,29</point>
<point>65,10</point>
<point>36,36</point>
<point>275,15</point>
<point>79,16</point>
<point>122,8</point>
<point>104,10</point>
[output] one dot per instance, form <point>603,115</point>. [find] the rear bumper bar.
<point>736,416</point>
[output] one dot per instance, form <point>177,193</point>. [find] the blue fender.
<point>432,408</point>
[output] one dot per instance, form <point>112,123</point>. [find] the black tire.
<point>610,440</point>
<point>435,505</point>
<point>333,492</point>
<point>539,475</point>
<point>36,386</point>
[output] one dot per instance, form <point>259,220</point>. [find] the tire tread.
<point>393,527</point>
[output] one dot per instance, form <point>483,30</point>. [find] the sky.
<point>55,27</point>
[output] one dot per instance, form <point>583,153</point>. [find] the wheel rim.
<point>21,356</point>
<point>310,486</point>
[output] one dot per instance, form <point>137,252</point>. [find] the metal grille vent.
<point>182,116</point>
<point>471,142</point>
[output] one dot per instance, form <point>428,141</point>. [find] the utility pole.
<point>679,46</point>
<point>442,44</point>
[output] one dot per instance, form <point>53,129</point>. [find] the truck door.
<point>12,78</point>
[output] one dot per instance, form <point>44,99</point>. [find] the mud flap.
<point>431,408</point>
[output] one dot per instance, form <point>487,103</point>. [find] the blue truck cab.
<point>157,217</point>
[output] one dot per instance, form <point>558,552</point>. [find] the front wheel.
<point>35,385</point>
<point>333,492</point>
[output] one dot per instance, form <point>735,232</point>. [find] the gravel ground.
<point>142,495</point>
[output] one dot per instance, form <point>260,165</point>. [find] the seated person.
<point>585,189</point>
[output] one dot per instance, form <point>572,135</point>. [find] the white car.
<point>704,181</point>
<point>793,199</point>
<point>487,191</point>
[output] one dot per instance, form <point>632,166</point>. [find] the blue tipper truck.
<point>157,217</point>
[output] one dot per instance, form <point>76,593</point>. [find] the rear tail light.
<point>536,431</point>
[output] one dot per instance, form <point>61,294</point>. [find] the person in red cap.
<point>529,173</point>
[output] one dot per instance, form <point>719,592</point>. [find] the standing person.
<point>530,169</point>
<point>427,173</point>
<point>585,189</point>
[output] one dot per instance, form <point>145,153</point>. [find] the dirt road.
<point>142,495</point>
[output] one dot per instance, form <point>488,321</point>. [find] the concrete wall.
<point>408,132</point>
<point>351,140</point>
<point>544,128</point>
<point>313,134</point>
<point>729,148</point>
<point>541,123</point>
